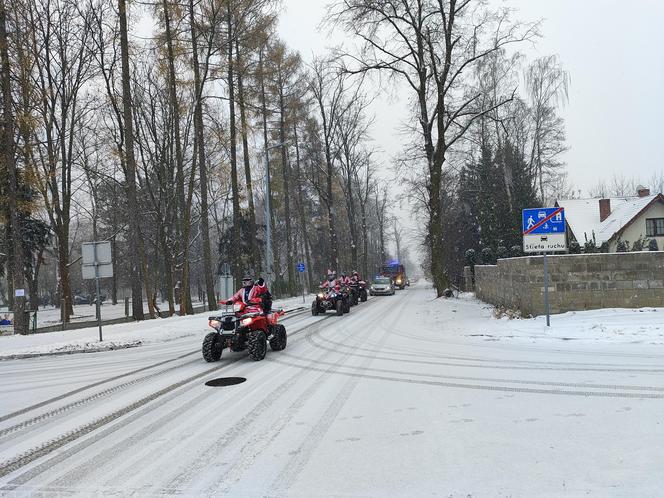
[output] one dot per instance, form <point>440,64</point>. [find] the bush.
<point>623,246</point>
<point>574,247</point>
<point>589,247</point>
<point>639,244</point>
<point>516,251</point>
<point>488,257</point>
<point>652,245</point>
<point>501,252</point>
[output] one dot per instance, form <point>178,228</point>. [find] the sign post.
<point>97,263</point>
<point>300,270</point>
<point>225,281</point>
<point>544,231</point>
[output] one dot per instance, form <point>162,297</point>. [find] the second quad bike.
<point>335,299</point>
<point>246,327</point>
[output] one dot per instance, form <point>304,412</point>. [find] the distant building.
<point>616,218</point>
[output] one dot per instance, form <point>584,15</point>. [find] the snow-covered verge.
<point>116,336</point>
<point>615,325</point>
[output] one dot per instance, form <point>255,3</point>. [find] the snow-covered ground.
<point>405,396</point>
<point>50,315</point>
<point>119,335</point>
<point>644,325</point>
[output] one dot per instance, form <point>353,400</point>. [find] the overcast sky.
<point>613,52</point>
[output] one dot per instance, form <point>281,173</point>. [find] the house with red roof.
<point>617,218</point>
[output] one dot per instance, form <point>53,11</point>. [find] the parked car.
<point>78,299</point>
<point>381,286</point>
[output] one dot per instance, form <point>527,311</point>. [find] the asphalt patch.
<point>225,381</point>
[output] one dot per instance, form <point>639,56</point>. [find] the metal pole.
<point>98,293</point>
<point>268,227</point>
<point>546,292</point>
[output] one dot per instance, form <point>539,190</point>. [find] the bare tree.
<point>547,83</point>
<point>430,45</point>
<point>130,168</point>
<point>9,165</point>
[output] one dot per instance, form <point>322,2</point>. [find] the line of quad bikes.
<point>248,328</point>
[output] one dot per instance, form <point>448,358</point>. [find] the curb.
<point>110,347</point>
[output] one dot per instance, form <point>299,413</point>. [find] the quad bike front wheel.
<point>346,305</point>
<point>314,308</point>
<point>279,338</point>
<point>257,345</point>
<point>363,295</point>
<point>340,307</point>
<point>212,347</point>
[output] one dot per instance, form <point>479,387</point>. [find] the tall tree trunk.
<point>235,256</point>
<point>286,179</point>
<point>351,221</point>
<point>365,241</point>
<point>300,209</point>
<point>130,161</point>
<point>20,319</point>
<point>179,162</point>
<point>261,71</point>
<point>202,165</point>
<point>255,253</point>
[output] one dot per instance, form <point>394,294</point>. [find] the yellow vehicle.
<point>396,272</point>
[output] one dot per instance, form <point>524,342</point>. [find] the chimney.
<point>604,209</point>
<point>642,191</point>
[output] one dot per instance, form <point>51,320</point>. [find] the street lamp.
<point>268,227</point>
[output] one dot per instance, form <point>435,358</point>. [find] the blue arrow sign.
<point>543,221</point>
<point>300,267</point>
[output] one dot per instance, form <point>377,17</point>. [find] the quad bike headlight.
<point>215,324</point>
<point>321,295</point>
<point>246,322</point>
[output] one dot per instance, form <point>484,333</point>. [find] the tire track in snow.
<point>292,469</point>
<point>97,395</point>
<point>32,454</point>
<point>212,452</point>
<point>600,394</point>
<point>15,430</point>
<point>90,386</point>
<point>263,440</point>
<point>498,367</point>
<point>487,379</point>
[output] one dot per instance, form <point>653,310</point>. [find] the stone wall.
<point>576,282</point>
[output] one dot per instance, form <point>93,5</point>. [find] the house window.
<point>655,227</point>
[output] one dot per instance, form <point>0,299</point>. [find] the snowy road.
<point>404,396</point>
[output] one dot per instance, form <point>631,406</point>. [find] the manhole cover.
<point>225,381</point>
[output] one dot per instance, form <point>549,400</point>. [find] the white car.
<point>381,286</point>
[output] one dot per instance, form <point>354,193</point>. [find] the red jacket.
<point>330,285</point>
<point>242,296</point>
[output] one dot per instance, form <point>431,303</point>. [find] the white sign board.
<point>103,253</point>
<point>103,261</point>
<point>88,271</point>
<point>551,242</point>
<point>19,293</point>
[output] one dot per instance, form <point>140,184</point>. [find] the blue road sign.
<point>543,221</point>
<point>300,267</point>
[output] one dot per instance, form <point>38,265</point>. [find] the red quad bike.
<point>331,299</point>
<point>358,291</point>
<point>245,328</point>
